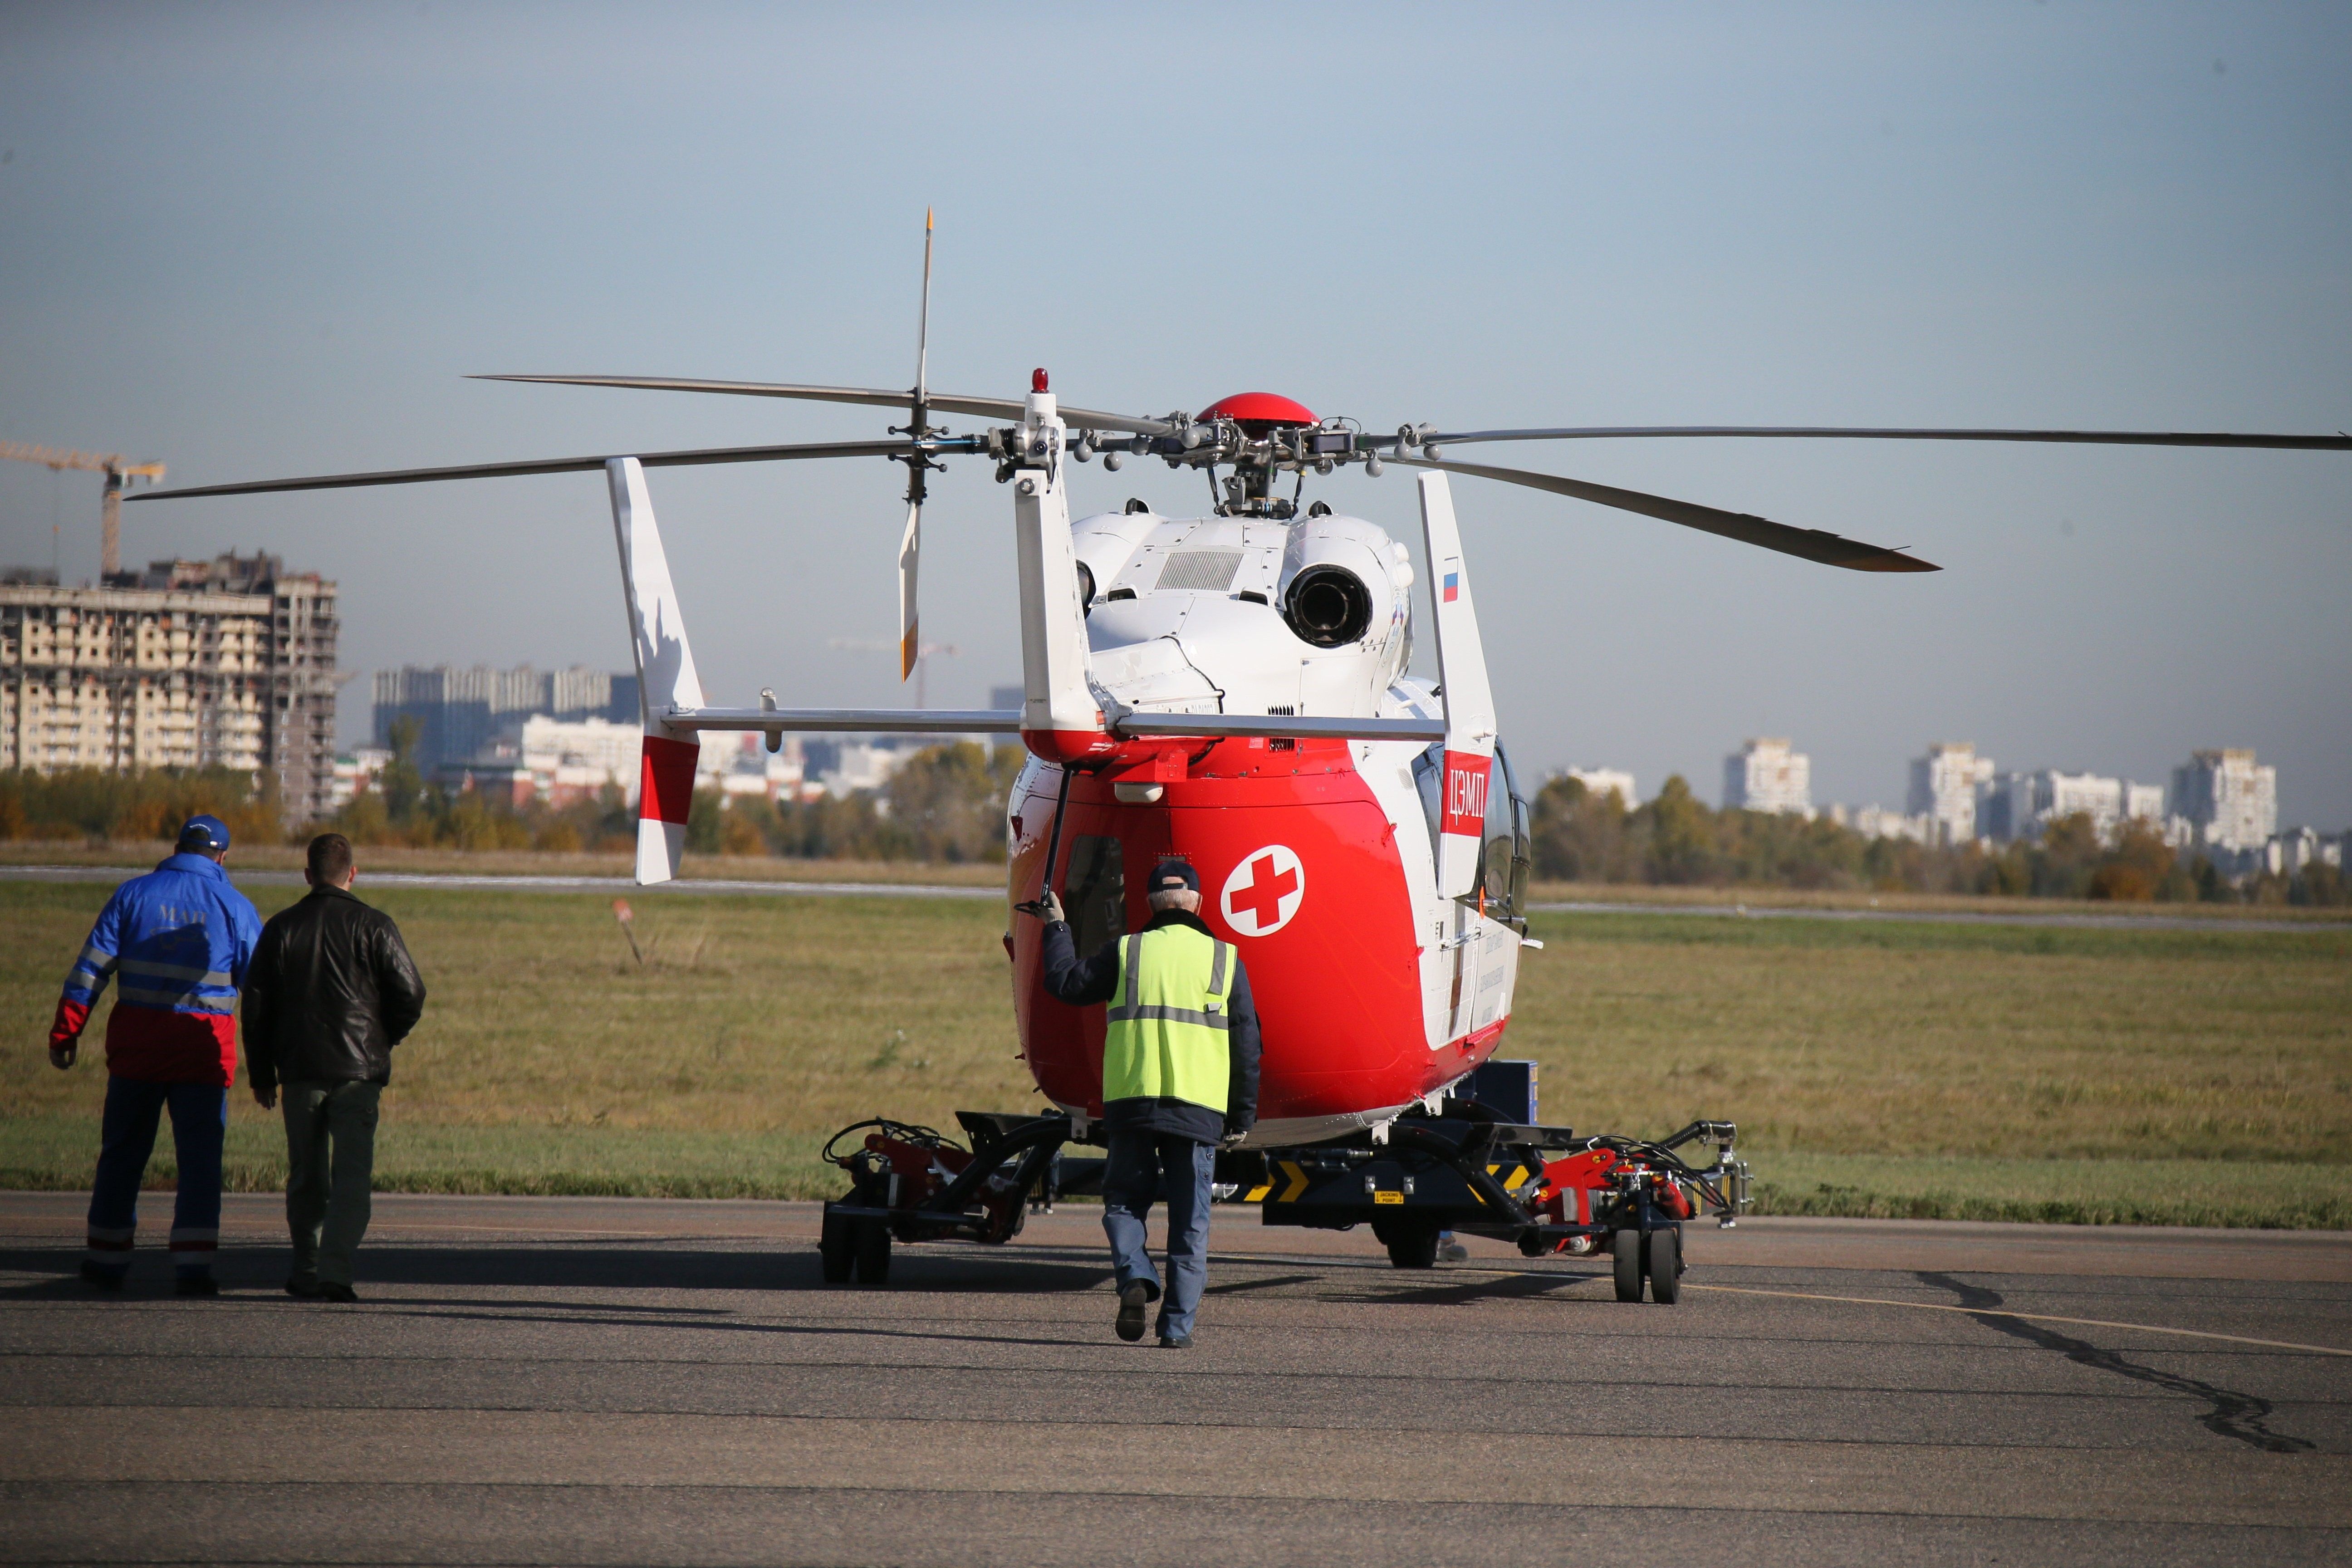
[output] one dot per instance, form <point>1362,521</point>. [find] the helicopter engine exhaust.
<point>1328,606</point>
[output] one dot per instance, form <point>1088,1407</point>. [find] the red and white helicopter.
<point>1234,690</point>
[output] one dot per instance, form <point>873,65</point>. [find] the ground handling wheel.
<point>1662,1261</point>
<point>1412,1246</point>
<point>871,1252</point>
<point>1625,1252</point>
<point>836,1242</point>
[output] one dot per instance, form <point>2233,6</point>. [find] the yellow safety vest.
<point>1167,1026</point>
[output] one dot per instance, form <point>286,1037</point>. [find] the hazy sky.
<point>257,241</point>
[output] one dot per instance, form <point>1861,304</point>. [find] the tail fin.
<point>665,676</point>
<point>1059,717</point>
<point>1462,681</point>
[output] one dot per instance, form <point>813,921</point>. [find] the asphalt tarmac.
<point>623,1381</point>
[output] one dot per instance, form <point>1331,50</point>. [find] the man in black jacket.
<point>330,992</point>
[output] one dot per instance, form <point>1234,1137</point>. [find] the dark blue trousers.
<point>1139,1167</point>
<point>199,1123</point>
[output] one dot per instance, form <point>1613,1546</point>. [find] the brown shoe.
<point>330,1291</point>
<point>308,1289</point>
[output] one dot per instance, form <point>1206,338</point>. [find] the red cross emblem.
<point>1264,891</point>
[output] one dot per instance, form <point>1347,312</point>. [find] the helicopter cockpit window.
<point>1094,894</point>
<point>1428,778</point>
<point>1503,863</point>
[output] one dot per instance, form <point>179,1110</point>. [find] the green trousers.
<point>329,1175</point>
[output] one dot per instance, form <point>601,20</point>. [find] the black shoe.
<point>195,1285</point>
<point>103,1277</point>
<point>1175,1342</point>
<point>1132,1301</point>
<point>308,1289</point>
<point>330,1291</point>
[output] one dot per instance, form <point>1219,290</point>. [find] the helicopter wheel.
<point>836,1242</point>
<point>1415,1248</point>
<point>1625,1252</point>
<point>1662,1261</point>
<point>872,1256</point>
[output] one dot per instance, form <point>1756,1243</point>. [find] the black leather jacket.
<point>330,992</point>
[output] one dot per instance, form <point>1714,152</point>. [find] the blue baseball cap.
<point>1171,874</point>
<point>204,832</point>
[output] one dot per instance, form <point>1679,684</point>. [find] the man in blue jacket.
<point>181,938</point>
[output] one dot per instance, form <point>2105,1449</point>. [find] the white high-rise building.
<point>191,664</point>
<point>1765,775</point>
<point>2230,803</point>
<point>2297,849</point>
<point>1944,786</point>
<point>1598,782</point>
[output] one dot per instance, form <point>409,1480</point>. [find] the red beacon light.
<point>1037,380</point>
<point>1259,411</point>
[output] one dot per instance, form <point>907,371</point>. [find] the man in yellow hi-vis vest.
<point>1180,1076</point>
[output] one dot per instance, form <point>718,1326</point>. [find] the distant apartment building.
<point>222,663</point>
<point>1598,782</point>
<point>355,773</point>
<point>1877,822</point>
<point>459,712</point>
<point>1945,784</point>
<point>2225,801</point>
<point>2297,849</point>
<point>1765,775</point>
<point>2022,805</point>
<point>559,762</point>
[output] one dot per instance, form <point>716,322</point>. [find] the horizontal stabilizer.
<point>1007,721</point>
<point>861,720</point>
<point>1284,726</point>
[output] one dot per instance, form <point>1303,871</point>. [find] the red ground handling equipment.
<point>1472,1166</point>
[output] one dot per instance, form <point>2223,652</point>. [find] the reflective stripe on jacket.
<point>177,939</point>
<point>1166,1030</point>
<point>178,942</point>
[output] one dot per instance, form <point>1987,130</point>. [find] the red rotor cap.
<point>1257,412</point>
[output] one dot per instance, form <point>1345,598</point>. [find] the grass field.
<point>1966,1071</point>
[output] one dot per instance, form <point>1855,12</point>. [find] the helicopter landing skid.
<point>1544,1189</point>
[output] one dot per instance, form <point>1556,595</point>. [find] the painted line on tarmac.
<point>525,884</point>
<point>2028,1317</point>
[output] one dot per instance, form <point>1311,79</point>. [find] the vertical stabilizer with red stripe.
<point>1462,684</point>
<point>665,676</point>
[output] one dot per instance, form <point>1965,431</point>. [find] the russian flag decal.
<point>1453,586</point>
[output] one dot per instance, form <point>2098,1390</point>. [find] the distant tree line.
<point>1678,840</point>
<point>91,803</point>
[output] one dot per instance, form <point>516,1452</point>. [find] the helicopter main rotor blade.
<point>2336,443</point>
<point>895,448</point>
<point>1810,543</point>
<point>911,543</point>
<point>1006,408</point>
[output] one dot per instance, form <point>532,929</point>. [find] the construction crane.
<point>119,470</point>
<point>922,654</point>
